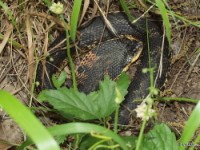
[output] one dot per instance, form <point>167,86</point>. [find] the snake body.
<point>111,55</point>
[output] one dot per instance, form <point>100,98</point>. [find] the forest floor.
<point>15,73</point>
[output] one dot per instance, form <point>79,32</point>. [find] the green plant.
<point>27,121</point>
<point>98,105</point>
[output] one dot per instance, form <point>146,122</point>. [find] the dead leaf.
<point>6,37</point>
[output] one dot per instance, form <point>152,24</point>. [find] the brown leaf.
<point>6,37</point>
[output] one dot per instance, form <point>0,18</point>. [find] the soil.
<point>15,73</point>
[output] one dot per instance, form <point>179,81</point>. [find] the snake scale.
<point>111,54</point>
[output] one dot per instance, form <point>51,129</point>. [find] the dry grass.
<point>23,43</point>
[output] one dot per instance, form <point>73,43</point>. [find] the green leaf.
<point>60,139</point>
<point>105,97</point>
<point>190,128</point>
<point>130,141</point>
<point>70,103</point>
<point>123,83</point>
<point>160,137</point>
<point>27,121</point>
<point>164,14</point>
<point>73,104</point>
<point>60,80</point>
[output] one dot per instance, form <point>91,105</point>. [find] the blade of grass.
<point>196,24</point>
<point>13,42</point>
<point>165,17</point>
<point>74,18</point>
<point>78,127</point>
<point>190,127</point>
<point>10,15</point>
<point>27,121</point>
<point>175,15</point>
<point>179,99</point>
<point>125,8</point>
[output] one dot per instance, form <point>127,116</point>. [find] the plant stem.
<point>140,135</point>
<point>180,99</point>
<point>71,63</point>
<point>116,118</point>
<point>150,70</point>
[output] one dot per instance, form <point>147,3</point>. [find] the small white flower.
<point>143,112</point>
<point>57,8</point>
<point>140,110</point>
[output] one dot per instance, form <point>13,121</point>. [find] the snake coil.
<point>111,56</point>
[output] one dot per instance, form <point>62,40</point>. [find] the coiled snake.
<point>111,55</point>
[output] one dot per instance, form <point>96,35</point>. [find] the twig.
<point>192,66</point>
